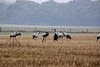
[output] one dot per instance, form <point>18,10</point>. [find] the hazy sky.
<point>39,1</point>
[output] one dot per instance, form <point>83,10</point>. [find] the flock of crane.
<point>56,36</point>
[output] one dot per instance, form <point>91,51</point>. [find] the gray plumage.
<point>44,35</point>
<point>61,35</point>
<point>35,35</point>
<point>14,34</point>
<point>98,37</point>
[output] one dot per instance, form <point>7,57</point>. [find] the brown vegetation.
<point>81,51</point>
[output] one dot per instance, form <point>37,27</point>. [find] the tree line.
<point>73,13</point>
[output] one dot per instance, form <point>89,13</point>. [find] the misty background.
<point>72,13</point>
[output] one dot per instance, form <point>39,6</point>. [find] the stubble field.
<point>81,51</point>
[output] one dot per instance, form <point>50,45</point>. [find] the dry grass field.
<point>81,51</point>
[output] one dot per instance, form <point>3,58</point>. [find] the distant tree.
<point>73,13</point>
